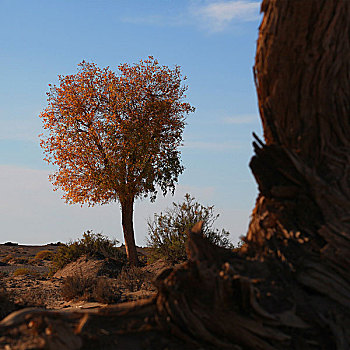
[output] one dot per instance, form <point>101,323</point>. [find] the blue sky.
<point>214,42</point>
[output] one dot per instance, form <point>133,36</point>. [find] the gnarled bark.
<point>289,286</point>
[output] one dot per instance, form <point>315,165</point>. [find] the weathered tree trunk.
<point>289,286</point>
<point>127,206</point>
<point>302,73</point>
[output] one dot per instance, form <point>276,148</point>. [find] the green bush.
<point>92,244</point>
<point>167,233</point>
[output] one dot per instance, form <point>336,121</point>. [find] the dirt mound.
<point>90,267</point>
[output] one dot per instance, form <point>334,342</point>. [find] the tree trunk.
<point>302,75</point>
<point>127,206</point>
<point>289,285</point>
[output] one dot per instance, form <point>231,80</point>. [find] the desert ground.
<point>28,282</point>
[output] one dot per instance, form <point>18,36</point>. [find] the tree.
<point>167,233</point>
<point>115,137</point>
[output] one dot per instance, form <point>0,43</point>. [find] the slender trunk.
<point>127,206</point>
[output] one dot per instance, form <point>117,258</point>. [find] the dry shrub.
<point>167,233</point>
<point>132,278</point>
<point>23,271</point>
<point>89,289</point>
<point>41,256</point>
<point>44,255</point>
<point>94,245</point>
<point>77,287</point>
<point>105,292</point>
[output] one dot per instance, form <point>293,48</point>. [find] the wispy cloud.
<point>241,119</point>
<point>218,15</point>
<point>214,16</point>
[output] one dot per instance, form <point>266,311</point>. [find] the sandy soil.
<point>39,290</point>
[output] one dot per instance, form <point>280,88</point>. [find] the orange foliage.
<point>112,135</point>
